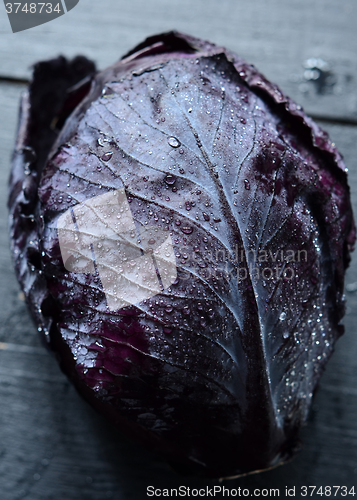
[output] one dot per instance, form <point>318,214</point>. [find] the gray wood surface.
<point>52,444</point>
<point>278,36</point>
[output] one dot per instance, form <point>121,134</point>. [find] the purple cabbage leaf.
<point>185,147</point>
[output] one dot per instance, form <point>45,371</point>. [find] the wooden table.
<point>53,446</point>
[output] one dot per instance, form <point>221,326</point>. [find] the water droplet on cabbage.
<point>173,142</point>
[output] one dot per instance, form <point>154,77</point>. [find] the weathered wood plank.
<point>54,446</point>
<point>277,36</point>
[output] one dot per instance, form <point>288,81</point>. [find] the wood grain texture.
<point>276,35</point>
<point>52,444</point>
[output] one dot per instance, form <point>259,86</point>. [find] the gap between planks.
<point>336,120</point>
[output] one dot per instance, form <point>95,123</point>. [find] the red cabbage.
<point>216,367</point>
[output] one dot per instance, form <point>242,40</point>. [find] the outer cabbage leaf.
<point>216,371</point>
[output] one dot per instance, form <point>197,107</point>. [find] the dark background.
<point>53,446</point>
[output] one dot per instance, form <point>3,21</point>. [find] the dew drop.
<point>170,179</point>
<point>187,229</point>
<point>173,142</point>
<point>107,156</point>
<point>282,316</point>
